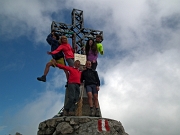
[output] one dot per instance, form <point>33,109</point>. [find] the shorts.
<point>60,61</point>
<point>92,88</point>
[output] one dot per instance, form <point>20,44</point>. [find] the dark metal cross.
<point>76,30</point>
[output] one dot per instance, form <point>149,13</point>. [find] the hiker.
<point>92,84</point>
<point>99,44</point>
<point>52,40</point>
<point>67,50</point>
<point>73,87</point>
<point>91,53</point>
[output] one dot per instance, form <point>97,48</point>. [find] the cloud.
<point>2,127</point>
<point>56,80</point>
<point>143,94</point>
<point>32,19</point>
<point>43,107</point>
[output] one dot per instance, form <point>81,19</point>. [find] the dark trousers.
<point>73,97</point>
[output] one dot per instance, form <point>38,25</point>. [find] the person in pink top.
<point>66,49</point>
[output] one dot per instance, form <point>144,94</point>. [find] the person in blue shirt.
<point>53,41</point>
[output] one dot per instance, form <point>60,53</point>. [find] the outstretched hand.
<point>48,52</point>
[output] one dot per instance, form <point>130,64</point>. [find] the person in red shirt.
<point>73,86</point>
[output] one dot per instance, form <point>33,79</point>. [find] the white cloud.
<point>44,107</point>
<point>143,94</point>
<point>2,127</point>
<point>30,18</point>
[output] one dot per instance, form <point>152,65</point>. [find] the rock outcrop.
<point>17,133</point>
<point>80,125</point>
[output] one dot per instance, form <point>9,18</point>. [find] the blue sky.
<point>140,69</point>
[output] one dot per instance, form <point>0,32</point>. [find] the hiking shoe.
<point>42,78</point>
<point>65,113</point>
<point>58,115</point>
<point>97,114</point>
<point>91,112</point>
<point>71,114</point>
<point>66,84</point>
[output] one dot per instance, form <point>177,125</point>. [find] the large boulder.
<point>80,125</point>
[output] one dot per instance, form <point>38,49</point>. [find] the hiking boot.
<point>58,115</point>
<point>71,114</point>
<point>65,113</point>
<point>97,114</point>
<point>91,112</point>
<point>42,78</point>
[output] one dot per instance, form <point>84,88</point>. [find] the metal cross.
<point>76,30</point>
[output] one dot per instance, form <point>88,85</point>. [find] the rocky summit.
<point>80,125</point>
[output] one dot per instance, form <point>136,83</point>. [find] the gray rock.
<point>80,125</point>
<point>18,133</point>
<point>64,128</point>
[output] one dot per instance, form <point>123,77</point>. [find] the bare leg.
<point>96,100</point>
<point>89,94</point>
<point>97,113</point>
<point>46,70</point>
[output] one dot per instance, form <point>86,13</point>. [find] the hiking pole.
<point>80,102</point>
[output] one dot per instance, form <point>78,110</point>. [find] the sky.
<point>139,71</point>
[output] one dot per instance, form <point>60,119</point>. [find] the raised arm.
<point>60,65</point>
<point>63,67</point>
<point>50,39</point>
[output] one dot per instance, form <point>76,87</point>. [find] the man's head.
<point>77,64</point>
<point>88,64</point>
<point>55,36</point>
<point>98,38</point>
